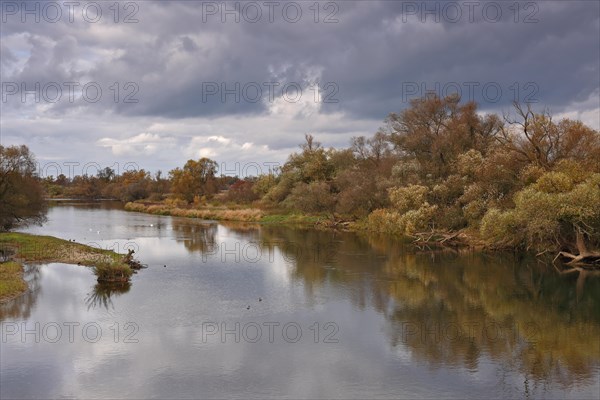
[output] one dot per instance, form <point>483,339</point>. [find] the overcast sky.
<point>244,81</point>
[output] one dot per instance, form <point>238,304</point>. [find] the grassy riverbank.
<point>464,238</point>
<point>12,283</point>
<point>223,213</point>
<point>23,248</point>
<point>214,213</point>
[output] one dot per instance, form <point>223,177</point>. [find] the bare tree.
<point>535,138</point>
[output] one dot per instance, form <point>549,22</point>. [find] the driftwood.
<point>585,264</point>
<point>585,258</point>
<point>133,263</point>
<point>438,238</point>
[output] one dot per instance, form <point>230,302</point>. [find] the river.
<point>230,310</point>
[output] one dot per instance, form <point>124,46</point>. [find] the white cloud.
<point>143,143</point>
<point>587,111</point>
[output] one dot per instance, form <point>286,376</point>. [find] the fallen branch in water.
<point>439,238</point>
<point>133,263</point>
<point>584,259</point>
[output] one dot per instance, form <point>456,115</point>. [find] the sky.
<point>151,84</point>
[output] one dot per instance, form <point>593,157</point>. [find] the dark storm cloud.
<point>559,55</point>
<point>374,55</point>
<point>155,64</point>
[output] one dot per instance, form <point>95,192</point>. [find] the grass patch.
<point>108,265</point>
<point>298,219</point>
<point>211,213</point>
<point>12,283</point>
<point>107,272</point>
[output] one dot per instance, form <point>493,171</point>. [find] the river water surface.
<point>247,311</point>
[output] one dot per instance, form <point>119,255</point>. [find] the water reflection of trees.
<point>308,250</point>
<point>546,332</point>
<point>20,307</point>
<point>102,294</point>
<point>508,309</point>
<point>195,236</point>
<point>242,228</point>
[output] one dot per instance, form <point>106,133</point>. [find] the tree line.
<point>517,180</point>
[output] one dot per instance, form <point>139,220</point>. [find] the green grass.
<point>11,280</point>
<point>108,265</point>
<point>48,248</point>
<point>107,272</point>
<point>290,219</point>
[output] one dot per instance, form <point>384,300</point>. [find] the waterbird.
<point>151,224</point>
<point>247,308</point>
<point>165,266</point>
<point>260,299</point>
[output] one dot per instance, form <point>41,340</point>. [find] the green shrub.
<point>408,198</point>
<point>388,221</point>
<point>554,182</point>
<point>112,272</point>
<point>502,228</point>
<point>546,213</point>
<point>470,163</point>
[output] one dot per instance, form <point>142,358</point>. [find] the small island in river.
<point>18,248</point>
